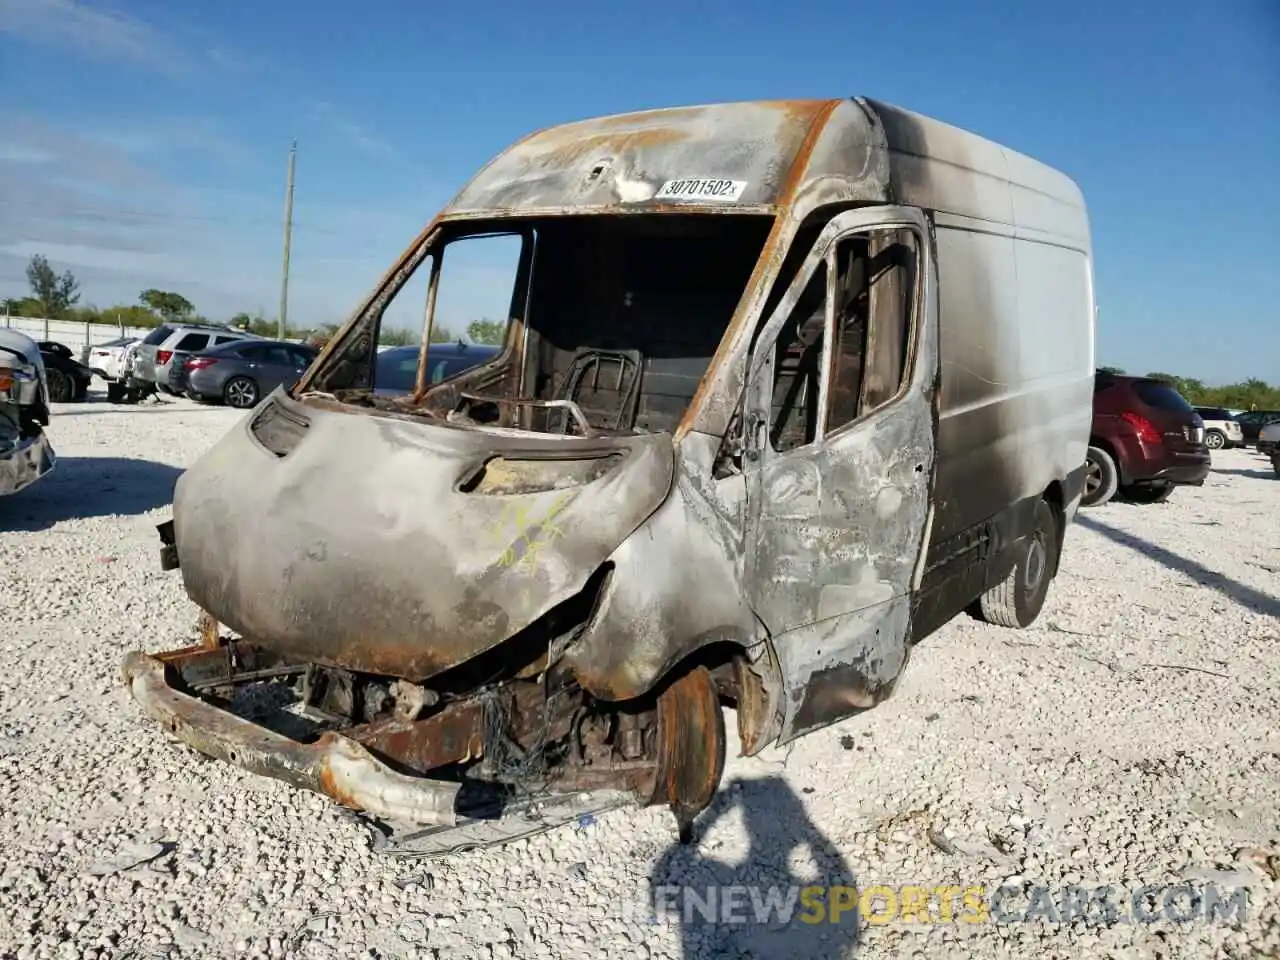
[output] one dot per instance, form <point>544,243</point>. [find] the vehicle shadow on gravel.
<point>760,907</point>
<point>81,487</point>
<point>1260,474</point>
<point>1246,596</point>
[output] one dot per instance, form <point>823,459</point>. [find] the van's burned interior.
<point>615,319</point>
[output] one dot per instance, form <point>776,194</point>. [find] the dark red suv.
<point>1146,440</point>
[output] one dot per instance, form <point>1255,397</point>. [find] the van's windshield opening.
<point>622,316</point>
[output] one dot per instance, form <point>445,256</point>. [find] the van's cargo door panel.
<point>838,518</point>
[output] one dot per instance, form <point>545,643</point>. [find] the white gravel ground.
<point>1130,738</point>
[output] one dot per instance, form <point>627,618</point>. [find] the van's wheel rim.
<point>242,393</point>
<point>1037,561</point>
<point>1092,476</point>
<point>1213,441</point>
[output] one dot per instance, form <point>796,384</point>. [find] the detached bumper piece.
<point>24,464</point>
<point>333,764</point>
<point>436,772</point>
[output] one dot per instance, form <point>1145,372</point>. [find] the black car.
<point>68,377</point>
<point>1252,421</point>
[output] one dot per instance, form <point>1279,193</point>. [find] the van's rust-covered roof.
<point>759,156</point>
<point>742,151</point>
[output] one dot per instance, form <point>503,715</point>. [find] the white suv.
<point>1221,430</point>
<point>157,348</point>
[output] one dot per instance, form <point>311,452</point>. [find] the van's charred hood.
<point>400,547</point>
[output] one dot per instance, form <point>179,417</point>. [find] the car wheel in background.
<point>1215,439</point>
<point>240,392</point>
<point>1148,493</point>
<point>1101,478</point>
<point>1017,601</point>
<point>61,389</point>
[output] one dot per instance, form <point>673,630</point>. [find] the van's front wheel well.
<point>1055,497</point>
<point>748,680</point>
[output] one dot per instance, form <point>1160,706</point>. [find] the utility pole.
<point>283,316</point>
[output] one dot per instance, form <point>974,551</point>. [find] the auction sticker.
<point>723,191</point>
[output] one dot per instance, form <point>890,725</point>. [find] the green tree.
<point>172,306</point>
<point>131,315</point>
<point>486,331</point>
<point>23,306</point>
<point>55,294</point>
<point>399,337</point>
<point>1114,371</point>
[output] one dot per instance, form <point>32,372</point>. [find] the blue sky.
<point>143,142</point>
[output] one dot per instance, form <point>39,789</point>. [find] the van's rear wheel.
<point>1017,601</point>
<point>1101,478</point>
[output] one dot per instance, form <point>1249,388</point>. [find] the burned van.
<point>784,386</point>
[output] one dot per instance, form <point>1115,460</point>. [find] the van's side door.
<point>840,430</point>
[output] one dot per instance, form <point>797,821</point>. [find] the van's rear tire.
<point>1101,479</point>
<point>1019,598</point>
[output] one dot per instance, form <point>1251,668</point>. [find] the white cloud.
<point>352,132</point>
<point>92,30</point>
<point>95,203</point>
<point>101,32</point>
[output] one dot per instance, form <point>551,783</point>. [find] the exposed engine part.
<point>500,749</point>
<point>411,699</point>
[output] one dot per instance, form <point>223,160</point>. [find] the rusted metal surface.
<point>209,630</point>
<point>756,707</point>
<point>691,745</point>
<point>622,161</point>
<point>333,765</point>
<point>455,735</point>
